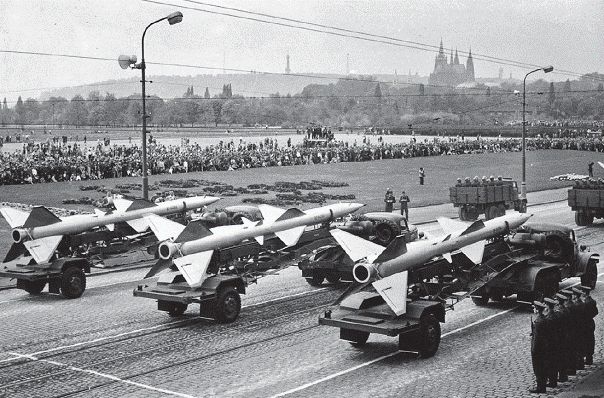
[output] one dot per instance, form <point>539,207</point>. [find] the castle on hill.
<point>451,73</point>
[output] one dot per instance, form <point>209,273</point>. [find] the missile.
<point>40,231</point>
<point>190,248</point>
<point>387,268</point>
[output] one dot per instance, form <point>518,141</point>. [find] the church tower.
<point>470,67</point>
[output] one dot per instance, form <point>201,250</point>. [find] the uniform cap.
<point>539,305</point>
<point>566,292</point>
<point>560,296</point>
<point>585,288</point>
<point>577,291</point>
<point>550,301</point>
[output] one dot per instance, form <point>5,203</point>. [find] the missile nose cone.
<point>212,199</point>
<point>355,206</point>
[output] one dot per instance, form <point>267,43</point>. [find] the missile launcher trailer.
<point>491,199</point>
<point>529,263</point>
<point>586,199</point>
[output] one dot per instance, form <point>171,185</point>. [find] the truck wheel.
<point>33,287</point>
<point>580,219</point>
<point>386,231</point>
<point>73,282</point>
<point>496,296</point>
<point>228,305</point>
<point>501,209</point>
<point>333,278</point>
<point>481,301</point>
<point>471,213</point>
<point>590,277</point>
<point>316,279</point>
<point>463,214</point>
<point>177,309</point>
<point>429,337</point>
<point>492,212</point>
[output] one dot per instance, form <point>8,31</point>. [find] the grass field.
<point>367,180</point>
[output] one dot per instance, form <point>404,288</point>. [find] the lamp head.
<point>126,61</point>
<point>548,69</point>
<point>174,18</point>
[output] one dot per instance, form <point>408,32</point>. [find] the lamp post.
<point>547,69</point>
<point>126,62</point>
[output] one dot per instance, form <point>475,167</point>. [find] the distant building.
<point>451,73</point>
<point>287,70</point>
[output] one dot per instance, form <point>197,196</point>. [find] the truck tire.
<point>482,300</point>
<point>73,282</point>
<point>429,337</point>
<point>386,231</point>
<point>491,212</point>
<point>333,277</point>
<point>582,219</point>
<point>228,305</point>
<point>32,287</point>
<point>177,309</point>
<point>501,209</point>
<point>590,277</point>
<point>463,214</point>
<point>316,279</point>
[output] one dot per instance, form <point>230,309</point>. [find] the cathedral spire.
<point>440,50</point>
<point>456,58</point>
<point>451,56</point>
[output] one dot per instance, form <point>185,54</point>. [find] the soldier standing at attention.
<point>553,336</point>
<point>404,200</point>
<point>539,347</point>
<point>591,310</point>
<point>422,175</point>
<point>590,168</point>
<point>389,200</point>
<point>566,359</point>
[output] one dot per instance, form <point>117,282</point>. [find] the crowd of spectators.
<point>59,161</point>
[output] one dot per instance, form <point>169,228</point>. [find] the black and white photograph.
<point>285,198</point>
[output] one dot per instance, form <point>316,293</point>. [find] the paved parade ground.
<point>109,343</point>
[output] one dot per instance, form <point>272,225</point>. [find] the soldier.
<point>581,327</point>
<point>467,182</point>
<point>539,347</point>
<point>553,336</point>
<point>484,181</point>
<point>458,182</point>
<point>476,181</point>
<point>499,180</point>
<point>576,308</point>
<point>404,200</point>
<point>422,175</point>
<point>565,362</point>
<point>389,200</point>
<point>491,180</point>
<point>591,310</point>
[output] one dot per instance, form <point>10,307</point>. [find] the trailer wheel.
<point>590,277</point>
<point>429,337</point>
<point>177,309</point>
<point>333,278</point>
<point>228,305</point>
<point>386,231</point>
<point>32,287</point>
<point>316,279</point>
<point>73,282</point>
<point>482,300</point>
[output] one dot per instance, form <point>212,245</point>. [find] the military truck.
<point>329,261</point>
<point>490,198</point>
<point>586,199</point>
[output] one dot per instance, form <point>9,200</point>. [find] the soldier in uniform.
<point>468,182</point>
<point>458,182</point>
<point>553,316</point>
<point>422,175</point>
<point>539,347</point>
<point>389,200</point>
<point>576,308</point>
<point>591,310</point>
<point>404,200</point>
<point>566,358</point>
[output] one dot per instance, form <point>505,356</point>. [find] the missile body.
<point>82,223</point>
<point>469,240</point>
<point>291,220</point>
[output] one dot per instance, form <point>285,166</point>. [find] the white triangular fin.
<point>291,236</point>
<point>451,226</point>
<point>14,218</point>
<point>121,204</point>
<point>474,252</point>
<point>447,256</point>
<point>248,224</point>
<point>270,213</point>
<point>42,249</point>
<point>139,224</point>
<point>356,248</point>
<point>194,266</point>
<point>601,164</point>
<point>99,213</point>
<point>163,228</point>
<point>393,290</point>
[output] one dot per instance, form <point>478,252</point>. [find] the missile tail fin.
<point>447,256</point>
<point>396,248</point>
<point>195,230</point>
<point>356,248</point>
<point>39,217</point>
<point>270,214</point>
<point>248,223</point>
<point>138,204</point>
<point>393,290</point>
<point>163,228</point>
<point>139,224</point>
<point>450,226</point>
<point>474,252</point>
<point>475,226</point>
<point>16,249</point>
<point>290,213</point>
<point>601,164</point>
<point>121,204</point>
<point>43,249</point>
<point>14,218</point>
<point>194,266</point>
<point>158,267</point>
<point>290,236</point>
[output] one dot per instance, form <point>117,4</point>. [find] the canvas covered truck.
<point>491,199</point>
<point>586,199</point>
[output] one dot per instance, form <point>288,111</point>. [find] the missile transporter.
<point>586,199</point>
<point>489,197</point>
<point>529,262</point>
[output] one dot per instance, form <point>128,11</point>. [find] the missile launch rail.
<point>232,269</point>
<point>529,263</point>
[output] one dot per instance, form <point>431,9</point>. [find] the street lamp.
<point>546,69</point>
<point>130,62</point>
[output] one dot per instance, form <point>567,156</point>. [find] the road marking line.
<point>105,375</point>
<point>364,364</point>
<point>148,328</point>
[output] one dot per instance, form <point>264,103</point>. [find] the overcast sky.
<point>566,34</point>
